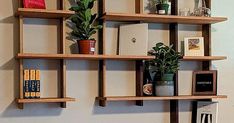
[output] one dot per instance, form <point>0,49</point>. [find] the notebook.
<point>133,39</point>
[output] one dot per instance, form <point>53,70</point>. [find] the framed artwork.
<point>194,46</point>
<point>207,112</point>
<point>36,4</point>
<point>204,82</point>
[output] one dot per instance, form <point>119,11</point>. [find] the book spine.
<point>33,84</point>
<point>38,92</point>
<point>26,84</point>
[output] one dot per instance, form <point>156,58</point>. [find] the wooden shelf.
<point>203,58</point>
<point>134,98</point>
<point>110,57</point>
<point>162,18</point>
<point>46,100</point>
<point>81,57</point>
<point>43,13</point>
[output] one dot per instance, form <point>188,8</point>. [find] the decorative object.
<point>201,9</point>
<point>147,80</point>
<point>36,4</point>
<point>84,26</point>
<point>162,7</point>
<point>194,46</point>
<point>166,64</point>
<point>207,112</point>
<point>204,82</point>
<point>184,12</point>
<point>133,39</point>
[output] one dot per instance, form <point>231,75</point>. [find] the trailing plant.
<point>84,20</point>
<point>166,59</point>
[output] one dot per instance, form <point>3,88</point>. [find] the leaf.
<point>88,15</point>
<point>75,8</point>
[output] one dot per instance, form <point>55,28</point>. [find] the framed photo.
<point>207,112</point>
<point>36,4</point>
<point>204,83</point>
<point>194,46</point>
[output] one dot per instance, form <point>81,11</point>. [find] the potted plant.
<point>162,7</point>
<point>165,65</point>
<point>84,26</point>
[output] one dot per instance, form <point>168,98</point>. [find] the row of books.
<point>31,84</point>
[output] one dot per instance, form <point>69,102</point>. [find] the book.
<point>133,39</point>
<point>32,83</point>
<point>36,4</point>
<point>207,112</point>
<point>38,92</point>
<point>26,84</point>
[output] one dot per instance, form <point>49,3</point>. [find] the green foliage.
<point>162,1</point>
<point>84,20</point>
<point>166,59</point>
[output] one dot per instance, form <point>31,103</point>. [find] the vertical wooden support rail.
<point>21,67</point>
<point>139,63</point>
<point>62,51</point>
<point>174,104</point>
<point>206,33</point>
<point>101,45</point>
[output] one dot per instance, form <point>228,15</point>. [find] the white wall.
<point>82,75</point>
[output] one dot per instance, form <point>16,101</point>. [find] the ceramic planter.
<point>164,86</point>
<point>162,9</point>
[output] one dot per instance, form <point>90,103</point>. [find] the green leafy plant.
<point>166,59</point>
<point>162,1</point>
<point>84,20</point>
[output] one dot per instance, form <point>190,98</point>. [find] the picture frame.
<point>194,46</point>
<point>204,83</point>
<point>35,4</point>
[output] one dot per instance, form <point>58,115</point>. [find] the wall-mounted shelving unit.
<point>47,14</point>
<point>173,21</point>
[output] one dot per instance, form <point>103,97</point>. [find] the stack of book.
<point>31,84</point>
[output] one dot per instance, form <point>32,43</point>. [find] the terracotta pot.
<point>86,46</point>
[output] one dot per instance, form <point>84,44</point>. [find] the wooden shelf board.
<point>43,13</point>
<point>134,98</point>
<point>81,57</point>
<point>162,18</point>
<point>203,58</point>
<point>109,57</point>
<point>45,100</point>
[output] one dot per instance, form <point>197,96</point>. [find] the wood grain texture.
<point>203,58</point>
<point>43,13</point>
<point>174,104</point>
<point>162,18</point>
<point>82,57</point>
<point>184,97</point>
<point>138,7</point>
<point>109,57</point>
<point>21,67</point>
<point>46,100</point>
<point>139,81</point>
<point>63,67</point>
